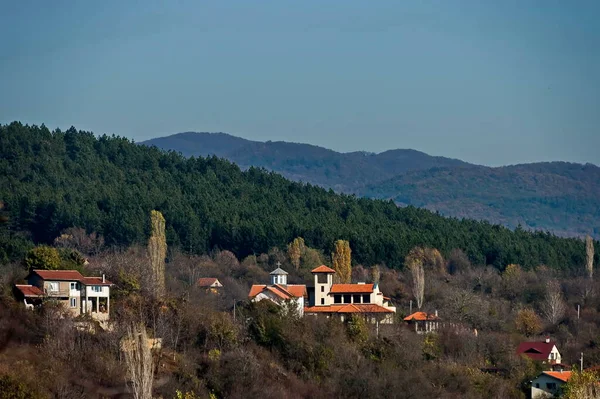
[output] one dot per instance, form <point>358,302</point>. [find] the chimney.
<point>103,278</point>
<point>361,283</point>
<point>547,340</point>
<point>436,313</point>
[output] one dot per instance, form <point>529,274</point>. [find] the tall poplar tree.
<point>157,250</point>
<point>589,252</point>
<point>342,261</point>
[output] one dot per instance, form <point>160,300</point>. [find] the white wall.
<point>543,391</point>
<point>104,293</point>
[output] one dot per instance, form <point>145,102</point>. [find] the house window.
<point>551,386</point>
<point>322,301</point>
<point>96,288</point>
<point>73,286</point>
<point>356,298</point>
<point>322,288</point>
<point>53,286</point>
<point>366,298</point>
<point>337,299</point>
<point>347,298</point>
<point>537,385</point>
<point>73,302</point>
<point>322,278</point>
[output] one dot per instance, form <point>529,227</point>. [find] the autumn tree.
<point>342,261</point>
<point>414,261</point>
<point>582,385</point>
<point>43,257</point>
<point>139,361</point>
<point>157,250</point>
<point>554,306</point>
<point>295,251</point>
<point>589,256</point>
<point>528,322</point>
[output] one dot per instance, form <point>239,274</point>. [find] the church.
<point>326,297</point>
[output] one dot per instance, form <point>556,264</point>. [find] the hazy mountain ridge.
<point>561,197</point>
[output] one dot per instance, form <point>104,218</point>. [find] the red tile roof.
<point>29,290</point>
<point>559,375</point>
<point>322,269</point>
<point>206,281</point>
<point>348,308</point>
<point>351,288</point>
<point>95,281</point>
<point>421,316</point>
<point>535,350</point>
<point>255,290</point>
<point>284,292</point>
<point>69,275</point>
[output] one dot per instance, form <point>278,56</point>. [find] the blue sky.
<point>490,82</point>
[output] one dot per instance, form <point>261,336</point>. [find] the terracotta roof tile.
<point>206,281</point>
<point>69,275</point>
<point>559,375</point>
<point>297,290</point>
<point>322,269</point>
<point>29,290</point>
<point>351,288</point>
<point>421,316</point>
<point>255,290</point>
<point>348,308</point>
<point>279,292</point>
<point>95,281</point>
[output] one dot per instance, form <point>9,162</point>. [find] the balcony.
<point>57,293</point>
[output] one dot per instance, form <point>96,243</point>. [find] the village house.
<point>210,284</point>
<point>545,352</point>
<point>347,299</point>
<point>549,384</point>
<point>279,291</point>
<point>78,294</point>
<point>424,322</point>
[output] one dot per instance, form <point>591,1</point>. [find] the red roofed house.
<point>77,293</point>
<point>211,284</point>
<point>424,322</point>
<point>344,299</point>
<point>548,384</point>
<point>279,291</point>
<point>543,351</point>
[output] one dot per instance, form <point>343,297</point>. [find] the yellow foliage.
<point>342,261</point>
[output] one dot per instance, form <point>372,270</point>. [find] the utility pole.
<point>578,306</point>
<point>581,362</point>
<point>234,310</point>
<point>410,311</point>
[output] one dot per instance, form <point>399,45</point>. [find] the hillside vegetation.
<point>558,196</point>
<point>108,185</point>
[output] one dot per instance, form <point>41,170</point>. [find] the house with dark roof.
<point>347,299</point>
<point>210,284</point>
<point>545,351</point>
<point>280,292</point>
<point>78,294</point>
<point>549,384</point>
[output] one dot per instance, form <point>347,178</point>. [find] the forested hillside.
<point>54,180</point>
<point>343,172</point>
<point>560,197</point>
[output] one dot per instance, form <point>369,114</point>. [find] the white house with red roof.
<point>545,351</point>
<point>346,299</point>
<point>210,284</point>
<point>77,293</point>
<point>280,292</point>
<point>549,384</point>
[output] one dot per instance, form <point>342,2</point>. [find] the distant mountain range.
<point>561,197</point>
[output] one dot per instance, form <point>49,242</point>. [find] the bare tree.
<point>415,262</point>
<point>589,252</point>
<point>139,361</point>
<point>418,276</point>
<point>554,306</point>
<point>157,250</point>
